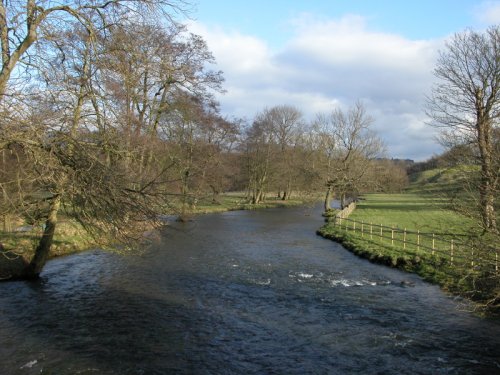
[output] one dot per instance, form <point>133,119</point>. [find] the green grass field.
<point>422,233</point>
<point>413,211</point>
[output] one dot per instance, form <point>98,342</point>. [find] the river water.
<point>244,292</point>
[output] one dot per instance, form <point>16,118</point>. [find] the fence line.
<point>422,244</point>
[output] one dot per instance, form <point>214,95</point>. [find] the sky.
<point>322,55</point>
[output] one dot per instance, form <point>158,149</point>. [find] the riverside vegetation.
<point>423,233</point>
<point>20,238</point>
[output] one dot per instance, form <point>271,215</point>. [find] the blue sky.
<point>319,55</point>
<point>270,19</point>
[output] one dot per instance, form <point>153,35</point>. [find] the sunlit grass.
<point>238,201</point>
<point>413,211</point>
<point>69,238</point>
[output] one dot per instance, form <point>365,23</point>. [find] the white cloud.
<point>347,41</point>
<point>488,12</point>
<point>329,63</point>
<point>240,56</point>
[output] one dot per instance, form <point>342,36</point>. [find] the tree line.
<point>107,116</point>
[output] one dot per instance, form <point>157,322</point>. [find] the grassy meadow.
<point>238,201</point>
<point>424,212</point>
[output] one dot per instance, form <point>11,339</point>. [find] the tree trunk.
<point>9,60</point>
<point>43,249</point>
<point>487,202</point>
<point>258,196</point>
<point>487,184</point>
<point>328,199</point>
<point>288,190</point>
<point>215,194</point>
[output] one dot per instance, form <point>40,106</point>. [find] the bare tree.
<point>259,152</point>
<point>465,105</point>
<point>22,24</point>
<point>352,145</point>
<point>286,122</point>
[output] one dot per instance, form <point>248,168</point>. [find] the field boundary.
<point>446,247</point>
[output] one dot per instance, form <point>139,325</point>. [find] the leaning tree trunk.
<point>43,249</point>
<point>328,199</point>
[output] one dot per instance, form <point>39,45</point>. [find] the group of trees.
<point>336,153</point>
<point>100,111</point>
<point>107,114</point>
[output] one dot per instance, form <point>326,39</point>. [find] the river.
<point>243,292</point>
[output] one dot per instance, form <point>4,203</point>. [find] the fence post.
<point>392,235</point>
<point>371,231</point>
<point>381,235</point>
<point>472,257</point>
<point>418,239</point>
<point>433,244</point>
<point>451,253</point>
<point>362,228</point>
<point>354,226</point>
<point>496,262</point>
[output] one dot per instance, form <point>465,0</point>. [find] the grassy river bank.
<point>418,231</point>
<point>70,237</point>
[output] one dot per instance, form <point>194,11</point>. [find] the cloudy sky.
<point>318,55</point>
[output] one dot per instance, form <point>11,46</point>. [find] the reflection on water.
<point>238,293</point>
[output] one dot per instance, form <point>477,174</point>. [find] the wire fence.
<point>451,249</point>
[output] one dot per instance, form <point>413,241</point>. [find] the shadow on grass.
<point>399,207</point>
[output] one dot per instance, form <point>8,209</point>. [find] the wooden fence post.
<point>371,231</point>
<point>362,228</point>
<point>392,235</point>
<point>418,239</point>
<point>433,244</point>
<point>381,235</point>
<point>451,253</point>
<point>404,238</point>
<point>472,257</point>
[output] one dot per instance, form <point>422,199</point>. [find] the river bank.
<point>70,237</point>
<point>420,234</point>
